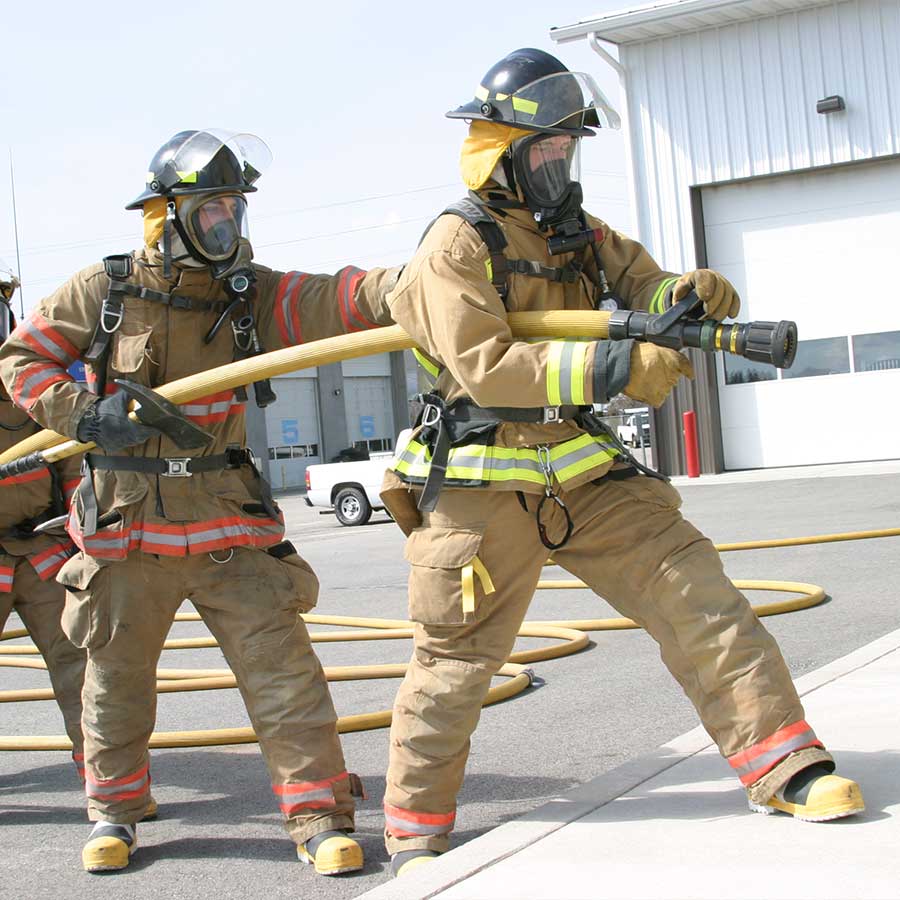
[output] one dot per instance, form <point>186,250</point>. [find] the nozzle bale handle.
<point>773,343</point>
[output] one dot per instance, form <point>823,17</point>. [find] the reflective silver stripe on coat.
<point>295,279</point>
<point>52,350</point>
<point>353,317</point>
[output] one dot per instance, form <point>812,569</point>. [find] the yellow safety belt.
<point>475,567</point>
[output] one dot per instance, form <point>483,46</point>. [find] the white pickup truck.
<point>351,489</point>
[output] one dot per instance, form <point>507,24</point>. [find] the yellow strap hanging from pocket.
<point>475,567</point>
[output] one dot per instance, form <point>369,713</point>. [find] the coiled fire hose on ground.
<point>572,637</point>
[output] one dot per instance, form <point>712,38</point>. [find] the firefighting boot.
<point>405,861</point>
<point>152,810</point>
<point>109,847</point>
<point>332,853</point>
<point>815,795</point>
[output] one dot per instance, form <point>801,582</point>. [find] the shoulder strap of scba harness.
<point>119,268</point>
<point>498,266</point>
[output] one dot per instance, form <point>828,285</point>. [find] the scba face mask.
<point>547,169</point>
<point>215,232</point>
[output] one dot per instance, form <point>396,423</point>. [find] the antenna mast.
<point>12,183</point>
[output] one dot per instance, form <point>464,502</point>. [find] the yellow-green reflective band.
<point>656,304</point>
<point>481,463</point>
<point>520,104</point>
<point>577,378</point>
<point>425,362</point>
<point>489,268</point>
<point>481,92</point>
<point>187,177</point>
<point>557,348</point>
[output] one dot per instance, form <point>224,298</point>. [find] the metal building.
<point>763,139</point>
<point>358,403</point>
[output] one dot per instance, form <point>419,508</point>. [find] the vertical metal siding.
<point>739,100</point>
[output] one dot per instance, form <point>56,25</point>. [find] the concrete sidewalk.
<point>674,824</point>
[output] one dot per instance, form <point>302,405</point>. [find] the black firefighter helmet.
<point>532,90</point>
<point>201,162</point>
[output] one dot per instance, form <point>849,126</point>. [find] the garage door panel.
<point>818,248</point>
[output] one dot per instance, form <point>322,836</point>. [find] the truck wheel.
<point>351,507</point>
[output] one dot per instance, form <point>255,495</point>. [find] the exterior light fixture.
<point>826,105</point>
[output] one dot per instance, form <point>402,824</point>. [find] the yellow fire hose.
<point>572,635</point>
<point>305,356</point>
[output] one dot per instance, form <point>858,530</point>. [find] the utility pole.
<point>12,184</point>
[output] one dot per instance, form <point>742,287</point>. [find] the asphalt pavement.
<point>219,834</point>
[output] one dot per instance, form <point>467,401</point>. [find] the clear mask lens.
<point>550,164</point>
<point>217,225</point>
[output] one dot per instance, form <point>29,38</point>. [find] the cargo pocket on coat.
<point>129,351</point>
<point>303,582</point>
<point>85,616</point>
<point>447,582</point>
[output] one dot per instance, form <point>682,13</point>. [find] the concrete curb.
<point>513,837</point>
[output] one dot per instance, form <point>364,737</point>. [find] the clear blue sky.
<point>350,97</point>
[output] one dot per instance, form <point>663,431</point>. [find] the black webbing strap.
<point>176,301</point>
<point>171,467</point>
<point>567,274</point>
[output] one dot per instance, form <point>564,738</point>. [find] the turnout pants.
<point>631,546</point>
<point>39,605</point>
<point>121,612</point>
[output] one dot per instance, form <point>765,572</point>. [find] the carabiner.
<point>542,530</point>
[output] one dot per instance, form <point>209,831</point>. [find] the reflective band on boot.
<point>332,853</point>
<point>751,764</point>
<point>813,795</point>
<point>109,847</point>
<point>406,823</point>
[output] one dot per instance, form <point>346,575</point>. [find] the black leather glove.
<point>106,424</point>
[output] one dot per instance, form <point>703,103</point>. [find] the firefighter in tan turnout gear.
<point>510,465</point>
<point>29,560</point>
<point>156,523</point>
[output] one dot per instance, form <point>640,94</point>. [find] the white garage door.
<point>370,418</point>
<point>292,427</point>
<point>819,248</point>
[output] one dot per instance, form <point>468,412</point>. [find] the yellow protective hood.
<point>482,149</point>
<point>154,219</point>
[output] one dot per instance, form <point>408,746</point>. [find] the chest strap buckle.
<point>177,467</point>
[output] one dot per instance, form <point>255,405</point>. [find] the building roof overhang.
<point>659,20</point>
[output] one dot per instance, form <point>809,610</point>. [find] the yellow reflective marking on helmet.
<point>520,104</point>
<point>426,363</point>
<point>481,92</point>
<point>500,96</point>
<point>577,378</point>
<point>553,364</point>
<point>187,177</point>
<point>150,177</point>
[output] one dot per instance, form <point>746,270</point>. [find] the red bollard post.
<point>691,450</point>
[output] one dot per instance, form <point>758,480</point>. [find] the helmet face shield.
<point>248,152</point>
<point>569,100</point>
<point>208,161</point>
<point>547,165</point>
<point>216,224</point>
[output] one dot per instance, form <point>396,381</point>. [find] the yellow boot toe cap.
<point>334,856</point>
<point>106,854</point>
<point>830,797</point>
